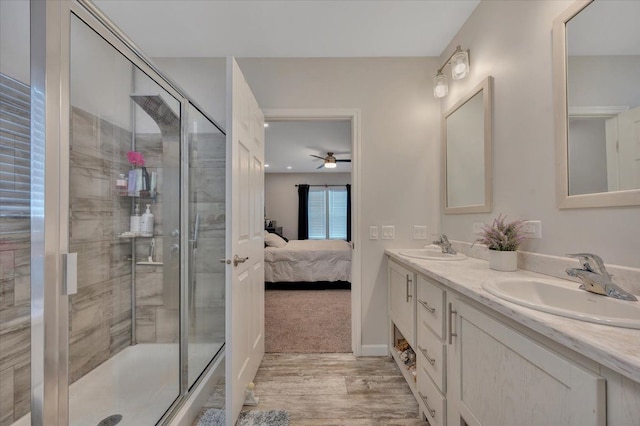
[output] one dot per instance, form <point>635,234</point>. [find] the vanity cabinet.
<point>477,367</point>
<point>402,308</point>
<point>498,376</point>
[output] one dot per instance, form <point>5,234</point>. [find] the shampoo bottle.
<point>146,223</point>
<point>134,223</point>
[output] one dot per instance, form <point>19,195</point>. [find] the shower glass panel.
<point>15,212</point>
<point>124,320</point>
<point>205,291</point>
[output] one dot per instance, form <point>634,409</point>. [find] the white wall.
<point>101,78</point>
<point>281,196</point>
<point>14,40</point>
<point>587,155</point>
<point>203,79</point>
<point>512,42</point>
<point>400,141</point>
<point>603,81</point>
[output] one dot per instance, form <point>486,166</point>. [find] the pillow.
<point>273,240</point>
<point>282,236</point>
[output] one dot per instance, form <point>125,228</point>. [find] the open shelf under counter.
<point>410,379</point>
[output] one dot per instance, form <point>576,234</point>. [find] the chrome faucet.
<point>597,281</point>
<point>444,244</point>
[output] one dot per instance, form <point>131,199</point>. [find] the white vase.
<point>503,260</point>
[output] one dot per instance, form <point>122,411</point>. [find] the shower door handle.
<point>70,273</point>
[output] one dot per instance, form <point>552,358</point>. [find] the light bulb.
<point>460,68</point>
<point>459,64</point>
<point>440,87</point>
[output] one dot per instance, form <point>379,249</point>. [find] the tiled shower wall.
<point>157,311</point>
<point>15,255</point>
<point>100,313</point>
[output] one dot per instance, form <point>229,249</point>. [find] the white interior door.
<point>245,244</point>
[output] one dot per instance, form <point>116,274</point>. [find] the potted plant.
<point>503,239</point>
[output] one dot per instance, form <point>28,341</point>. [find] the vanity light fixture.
<point>459,61</point>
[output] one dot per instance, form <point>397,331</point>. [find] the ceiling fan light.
<point>329,165</point>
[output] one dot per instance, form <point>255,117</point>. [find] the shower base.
<point>139,383</point>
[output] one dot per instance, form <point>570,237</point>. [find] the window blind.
<point>317,214</point>
<point>15,147</point>
<point>327,213</point>
<point>338,214</point>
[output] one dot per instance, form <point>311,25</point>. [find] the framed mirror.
<point>466,148</point>
<point>596,55</point>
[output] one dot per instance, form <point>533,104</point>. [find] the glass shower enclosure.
<point>136,220</point>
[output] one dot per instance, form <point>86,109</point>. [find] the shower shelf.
<point>153,197</point>
<point>133,235</point>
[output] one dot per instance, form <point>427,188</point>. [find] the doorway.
<point>352,116</point>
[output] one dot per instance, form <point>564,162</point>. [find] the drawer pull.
<point>426,306</point>
<point>451,314</point>
<point>426,403</point>
<point>409,281</point>
<point>432,361</point>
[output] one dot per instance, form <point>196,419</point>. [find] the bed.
<point>308,261</point>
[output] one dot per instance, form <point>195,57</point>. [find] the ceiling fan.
<point>330,161</point>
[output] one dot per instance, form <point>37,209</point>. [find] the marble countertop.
<point>614,347</point>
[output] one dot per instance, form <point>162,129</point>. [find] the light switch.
<point>419,232</point>
<point>373,232</point>
<point>477,227</point>
<point>533,228</point>
<point>388,232</point>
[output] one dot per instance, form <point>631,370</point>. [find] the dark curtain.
<point>348,212</point>
<point>303,212</point>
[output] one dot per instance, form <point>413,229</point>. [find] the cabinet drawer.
<point>431,356</point>
<point>430,306</point>
<point>431,401</point>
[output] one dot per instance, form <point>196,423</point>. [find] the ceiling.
<point>291,144</point>
<point>289,28</point>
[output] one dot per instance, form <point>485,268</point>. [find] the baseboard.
<point>316,285</point>
<point>375,350</point>
<point>188,413</point>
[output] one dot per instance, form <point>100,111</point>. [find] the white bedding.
<point>308,261</point>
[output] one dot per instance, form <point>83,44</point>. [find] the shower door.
<point>124,158</point>
<point>206,275</point>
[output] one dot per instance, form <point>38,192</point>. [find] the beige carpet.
<point>307,321</point>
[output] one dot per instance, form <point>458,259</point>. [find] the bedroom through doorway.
<point>310,215</point>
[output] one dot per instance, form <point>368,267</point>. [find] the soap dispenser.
<point>134,223</point>
<point>146,223</point>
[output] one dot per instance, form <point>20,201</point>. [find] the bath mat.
<point>216,417</point>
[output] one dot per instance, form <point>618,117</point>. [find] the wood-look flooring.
<point>334,389</point>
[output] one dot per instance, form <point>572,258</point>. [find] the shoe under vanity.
<point>482,361</point>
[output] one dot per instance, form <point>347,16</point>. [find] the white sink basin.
<point>567,300</point>
<point>431,254</point>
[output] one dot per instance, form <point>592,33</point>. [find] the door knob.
<point>237,260</point>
